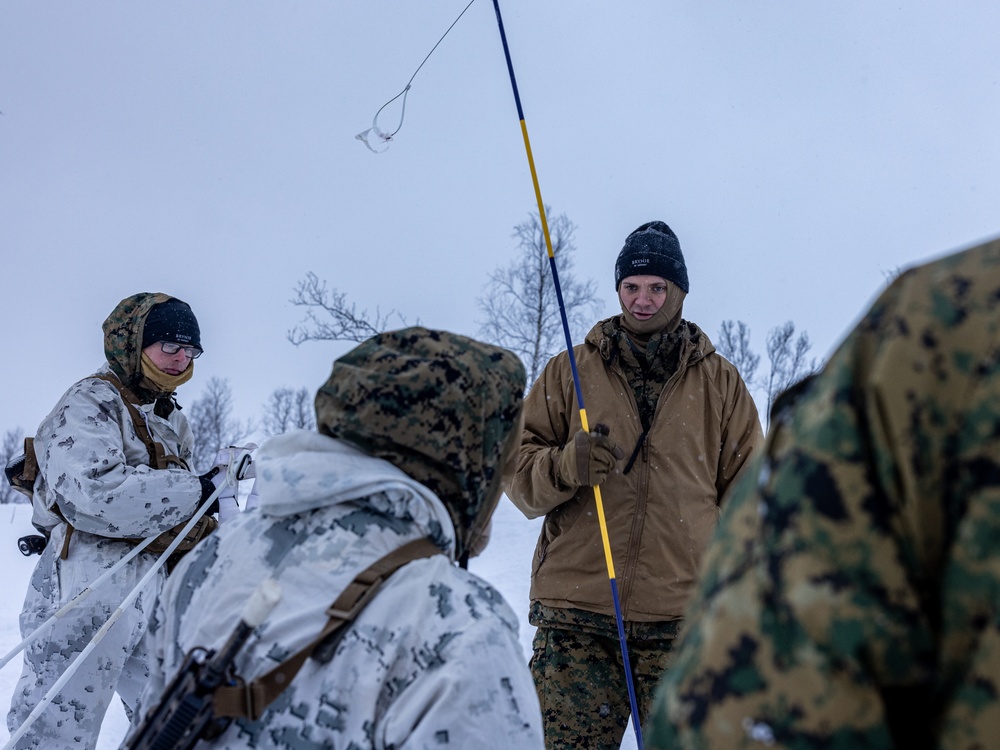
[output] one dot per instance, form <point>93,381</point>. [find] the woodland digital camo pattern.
<point>94,469</point>
<point>433,661</point>
<point>647,369</point>
<point>414,397</point>
<point>851,598</point>
<point>123,340</point>
<point>577,667</point>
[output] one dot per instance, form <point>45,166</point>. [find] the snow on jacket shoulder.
<point>95,469</point>
<point>432,661</point>
<point>662,513</point>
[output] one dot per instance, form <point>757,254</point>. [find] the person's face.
<point>643,296</point>
<point>172,364</point>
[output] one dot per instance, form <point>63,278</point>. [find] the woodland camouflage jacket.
<point>851,597</point>
<point>661,514</point>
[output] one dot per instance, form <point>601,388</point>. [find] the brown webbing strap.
<point>249,700</point>
<point>157,453</point>
<point>158,458</point>
<point>30,470</point>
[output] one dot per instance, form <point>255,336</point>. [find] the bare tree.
<point>12,445</point>
<point>213,425</point>
<point>519,304</point>
<point>734,345</point>
<point>329,317</point>
<point>787,356</point>
<point>288,409</point>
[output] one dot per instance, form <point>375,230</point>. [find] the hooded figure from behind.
<point>415,430</point>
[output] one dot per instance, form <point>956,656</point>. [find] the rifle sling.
<point>249,700</point>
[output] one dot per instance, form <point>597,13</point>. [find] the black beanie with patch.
<point>652,250</point>
<point>171,321</point>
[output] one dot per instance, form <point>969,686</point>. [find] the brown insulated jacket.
<point>661,514</point>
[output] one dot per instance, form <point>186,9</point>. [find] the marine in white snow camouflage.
<point>94,473</point>
<point>416,426</point>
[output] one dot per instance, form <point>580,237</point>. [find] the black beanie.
<point>652,250</point>
<point>171,321</point>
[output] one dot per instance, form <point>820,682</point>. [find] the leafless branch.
<point>329,317</point>
<point>519,305</point>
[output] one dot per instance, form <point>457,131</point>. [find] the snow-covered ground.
<point>506,564</point>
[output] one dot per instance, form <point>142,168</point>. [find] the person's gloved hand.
<point>226,504</point>
<point>588,458</point>
<point>241,453</point>
<point>211,480</point>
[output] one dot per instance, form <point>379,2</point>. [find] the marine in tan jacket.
<point>673,424</point>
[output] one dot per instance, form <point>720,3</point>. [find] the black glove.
<point>208,487</point>
<point>587,460</point>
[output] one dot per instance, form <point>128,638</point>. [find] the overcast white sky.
<point>800,150</point>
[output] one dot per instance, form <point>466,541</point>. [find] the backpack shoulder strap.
<point>158,457</point>
<point>22,476</point>
<point>249,700</point>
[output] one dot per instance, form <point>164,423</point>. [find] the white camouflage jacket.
<point>96,469</point>
<point>433,661</point>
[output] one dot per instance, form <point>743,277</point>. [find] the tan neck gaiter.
<point>158,381</point>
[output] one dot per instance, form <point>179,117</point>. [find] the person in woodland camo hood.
<point>415,429</point>
<point>850,598</point>
<point>100,490</point>
<point>672,425</point>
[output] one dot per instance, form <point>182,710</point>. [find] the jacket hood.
<point>123,339</point>
<point>441,407</point>
<point>300,471</point>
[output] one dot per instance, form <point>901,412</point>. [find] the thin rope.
<point>386,137</point>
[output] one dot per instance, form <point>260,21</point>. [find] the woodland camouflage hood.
<point>442,407</point>
<point>123,340</point>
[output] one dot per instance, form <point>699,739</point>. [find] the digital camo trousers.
<point>580,679</point>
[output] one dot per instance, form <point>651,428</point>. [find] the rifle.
<point>206,695</point>
<point>184,714</point>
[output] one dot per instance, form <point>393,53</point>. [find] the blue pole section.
<point>576,382</point>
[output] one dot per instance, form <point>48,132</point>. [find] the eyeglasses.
<point>169,347</point>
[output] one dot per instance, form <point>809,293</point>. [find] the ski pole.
<point>576,381</point>
<point>232,473</point>
<point>44,627</point>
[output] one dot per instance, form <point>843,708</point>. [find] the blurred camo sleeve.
<point>850,596</point>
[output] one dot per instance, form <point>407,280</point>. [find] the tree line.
<point>518,311</point>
